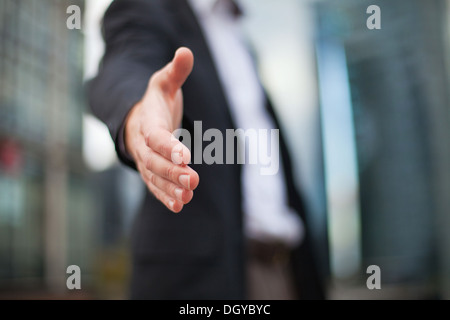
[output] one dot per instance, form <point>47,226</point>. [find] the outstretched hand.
<point>160,158</point>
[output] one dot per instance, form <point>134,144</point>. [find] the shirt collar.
<point>205,7</point>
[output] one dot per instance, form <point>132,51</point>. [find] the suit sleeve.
<point>136,45</point>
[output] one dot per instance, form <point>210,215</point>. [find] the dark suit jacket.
<point>200,252</point>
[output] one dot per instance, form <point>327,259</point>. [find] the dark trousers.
<point>269,272</point>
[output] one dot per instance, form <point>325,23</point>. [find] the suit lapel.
<point>205,100</point>
<point>191,36</point>
<point>294,198</point>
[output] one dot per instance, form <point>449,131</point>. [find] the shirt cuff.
<point>121,149</point>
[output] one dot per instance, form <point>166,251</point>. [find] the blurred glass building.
<point>45,205</point>
<point>390,86</point>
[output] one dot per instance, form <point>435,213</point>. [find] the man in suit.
<point>237,234</point>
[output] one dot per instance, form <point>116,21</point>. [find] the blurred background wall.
<point>46,211</point>
<point>366,114</point>
<point>395,82</point>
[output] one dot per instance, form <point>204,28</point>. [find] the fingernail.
<point>185,181</point>
<point>177,154</point>
<point>179,194</point>
<point>171,204</point>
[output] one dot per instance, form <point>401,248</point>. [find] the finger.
<point>171,203</point>
<point>174,74</point>
<point>168,201</point>
<point>166,144</point>
<point>174,191</point>
<point>184,176</point>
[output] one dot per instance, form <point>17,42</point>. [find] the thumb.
<point>174,74</point>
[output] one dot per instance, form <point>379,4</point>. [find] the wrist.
<point>131,130</point>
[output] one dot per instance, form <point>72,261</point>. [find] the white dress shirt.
<point>267,215</point>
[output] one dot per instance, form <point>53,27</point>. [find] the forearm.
<point>134,49</point>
